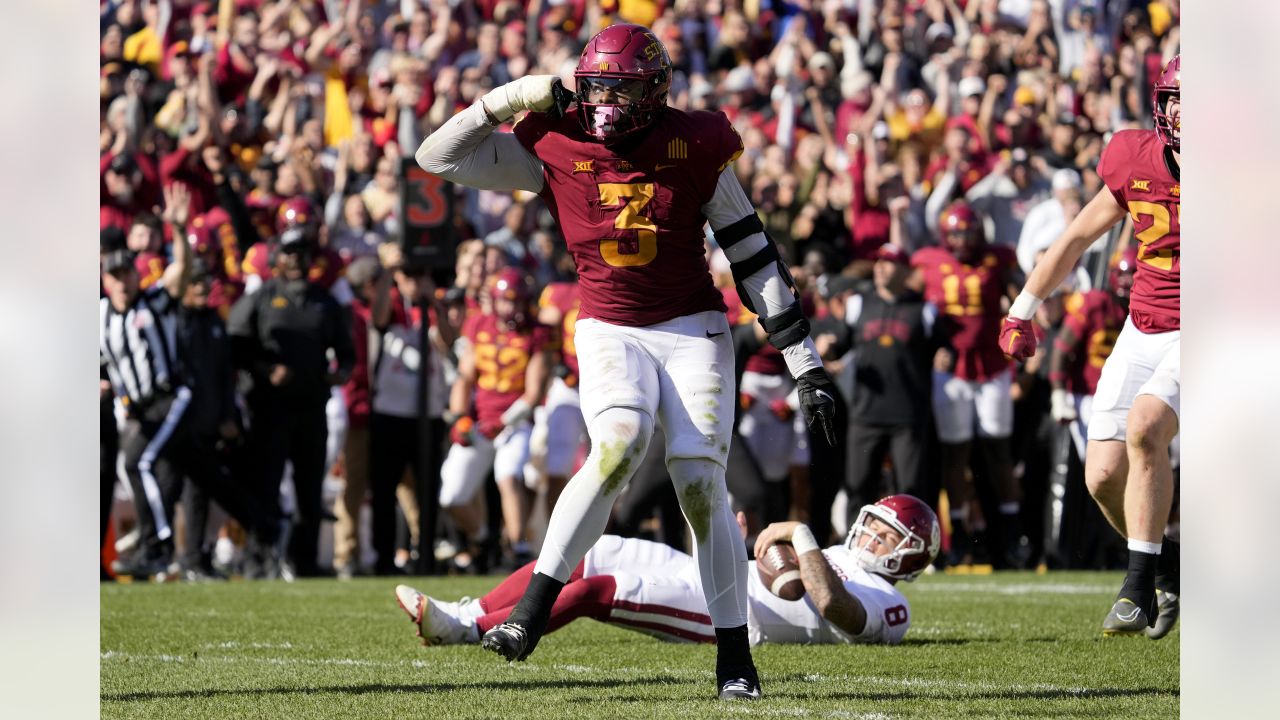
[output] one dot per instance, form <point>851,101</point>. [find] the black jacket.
<point>206,354</point>
<point>894,369</point>
<point>291,323</point>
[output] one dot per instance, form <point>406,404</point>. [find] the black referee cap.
<point>116,260</point>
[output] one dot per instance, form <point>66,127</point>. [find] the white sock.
<point>1150,548</point>
<point>619,439</point>
<point>722,555</point>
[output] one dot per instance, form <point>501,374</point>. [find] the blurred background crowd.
<point>282,127</point>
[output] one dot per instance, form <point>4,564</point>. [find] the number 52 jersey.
<point>1134,170</point>
<point>632,218</point>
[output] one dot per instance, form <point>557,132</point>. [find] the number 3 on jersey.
<point>631,198</point>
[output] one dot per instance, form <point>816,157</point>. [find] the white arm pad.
<point>769,292</point>
<point>467,151</point>
<point>531,92</point>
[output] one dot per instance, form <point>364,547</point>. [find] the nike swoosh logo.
<point>822,393</point>
<point>656,168</point>
<point>714,335</point>
<point>1130,617</point>
<point>1013,338</point>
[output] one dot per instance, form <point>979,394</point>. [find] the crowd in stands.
<point>282,125</point>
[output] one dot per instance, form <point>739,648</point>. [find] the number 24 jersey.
<point>1134,170</point>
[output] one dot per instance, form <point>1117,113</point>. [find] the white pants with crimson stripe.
<point>659,590</point>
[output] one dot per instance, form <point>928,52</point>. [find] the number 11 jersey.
<point>631,214</point>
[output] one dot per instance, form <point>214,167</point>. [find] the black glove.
<point>817,399</point>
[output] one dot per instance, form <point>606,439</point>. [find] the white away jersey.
<point>773,619</point>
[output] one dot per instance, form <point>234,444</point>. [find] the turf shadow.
<point>927,642</point>
<point>367,688</point>
<point>1028,694</point>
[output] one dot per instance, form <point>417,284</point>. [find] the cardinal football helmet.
<point>1168,85</point>
<point>628,65</point>
<point>296,220</point>
<point>510,284</point>
<point>921,537</point>
<point>960,219</point>
<point>1120,274</point>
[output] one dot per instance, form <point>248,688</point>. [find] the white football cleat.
<point>436,624</point>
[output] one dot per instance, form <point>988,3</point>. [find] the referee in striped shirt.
<point>138,344</point>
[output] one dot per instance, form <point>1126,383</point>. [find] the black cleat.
<point>1125,618</point>
<point>508,640</point>
<point>140,566</point>
<point>1166,615</point>
<point>740,689</point>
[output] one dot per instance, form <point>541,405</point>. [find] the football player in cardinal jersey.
<point>850,594</point>
<point>631,183</point>
<point>967,278</point>
<point>505,361</point>
<point>1084,342</point>
<point>1135,410</point>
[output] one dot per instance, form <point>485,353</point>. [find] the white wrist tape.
<point>802,540</point>
<point>1025,306</point>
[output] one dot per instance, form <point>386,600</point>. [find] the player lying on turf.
<point>651,588</point>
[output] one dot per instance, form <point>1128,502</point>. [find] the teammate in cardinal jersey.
<point>562,426</point>
<point>1084,342</point>
<point>631,183</point>
<point>850,594</point>
<point>967,278</point>
<point>504,364</point>
<point>1135,409</point>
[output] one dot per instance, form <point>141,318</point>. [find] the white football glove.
<point>1061,406</point>
<point>531,92</point>
<point>519,411</point>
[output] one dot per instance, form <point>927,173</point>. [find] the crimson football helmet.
<point>297,219</point>
<point>629,63</point>
<point>921,537</point>
<point>1168,85</point>
<point>960,221</point>
<point>510,284</point>
<point>1120,274</point>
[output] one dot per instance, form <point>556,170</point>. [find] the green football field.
<point>996,646</point>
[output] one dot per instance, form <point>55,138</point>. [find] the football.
<point>780,571</point>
